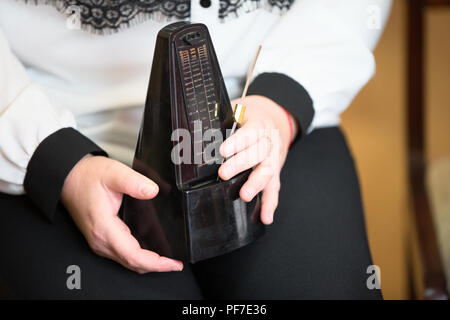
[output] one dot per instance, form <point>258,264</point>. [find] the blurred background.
<point>399,133</point>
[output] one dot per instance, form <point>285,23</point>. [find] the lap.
<point>316,248</point>
<point>35,255</point>
<point>317,245</point>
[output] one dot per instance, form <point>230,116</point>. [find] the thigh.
<point>35,255</point>
<point>317,246</point>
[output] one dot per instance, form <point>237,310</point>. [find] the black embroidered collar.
<point>107,16</point>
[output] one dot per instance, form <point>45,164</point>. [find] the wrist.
<point>69,182</point>
<point>50,164</point>
<point>293,127</point>
<point>288,93</point>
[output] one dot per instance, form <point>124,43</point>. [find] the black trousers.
<point>316,248</point>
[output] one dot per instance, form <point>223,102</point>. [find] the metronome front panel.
<point>205,102</point>
<point>201,100</point>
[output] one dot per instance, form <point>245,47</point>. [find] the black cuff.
<point>288,93</point>
<point>51,162</point>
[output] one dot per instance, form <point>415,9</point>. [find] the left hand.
<point>262,142</point>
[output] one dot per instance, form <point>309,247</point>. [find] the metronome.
<point>195,215</point>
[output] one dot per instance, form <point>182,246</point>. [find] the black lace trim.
<point>106,16</point>
<point>235,7</point>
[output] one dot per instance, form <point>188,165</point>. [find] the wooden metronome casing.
<point>194,216</point>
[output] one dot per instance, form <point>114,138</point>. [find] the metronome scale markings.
<point>200,93</point>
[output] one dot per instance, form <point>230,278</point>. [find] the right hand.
<point>92,193</point>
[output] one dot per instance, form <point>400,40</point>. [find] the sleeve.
<point>318,56</point>
<point>38,141</point>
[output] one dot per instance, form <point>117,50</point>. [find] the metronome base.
<point>196,224</point>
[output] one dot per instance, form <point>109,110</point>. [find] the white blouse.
<point>52,76</point>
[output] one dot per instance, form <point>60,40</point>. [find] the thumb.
<point>123,179</point>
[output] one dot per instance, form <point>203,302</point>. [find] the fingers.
<point>245,159</point>
<point>247,135</point>
<point>118,244</point>
<point>123,179</point>
<point>257,181</point>
<point>270,200</point>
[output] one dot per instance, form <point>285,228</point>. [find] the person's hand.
<point>262,142</point>
<point>92,193</point>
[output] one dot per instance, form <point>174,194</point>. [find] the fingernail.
<point>148,188</point>
<point>268,220</point>
<point>224,172</point>
<point>222,150</point>
<point>227,150</point>
<point>177,267</point>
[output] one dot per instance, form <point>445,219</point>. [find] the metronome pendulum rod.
<point>239,109</point>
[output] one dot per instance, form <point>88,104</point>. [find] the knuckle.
<point>267,171</point>
<point>260,125</point>
<point>109,166</point>
<point>235,164</point>
<point>140,271</point>
<point>158,267</point>
<point>271,123</point>
<point>96,241</point>
<point>130,261</point>
<point>275,203</point>
<point>277,186</point>
<point>97,235</point>
<point>96,248</point>
<point>276,189</point>
<point>128,185</point>
<point>264,147</point>
<point>278,183</point>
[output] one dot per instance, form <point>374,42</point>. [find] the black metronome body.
<point>195,216</point>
